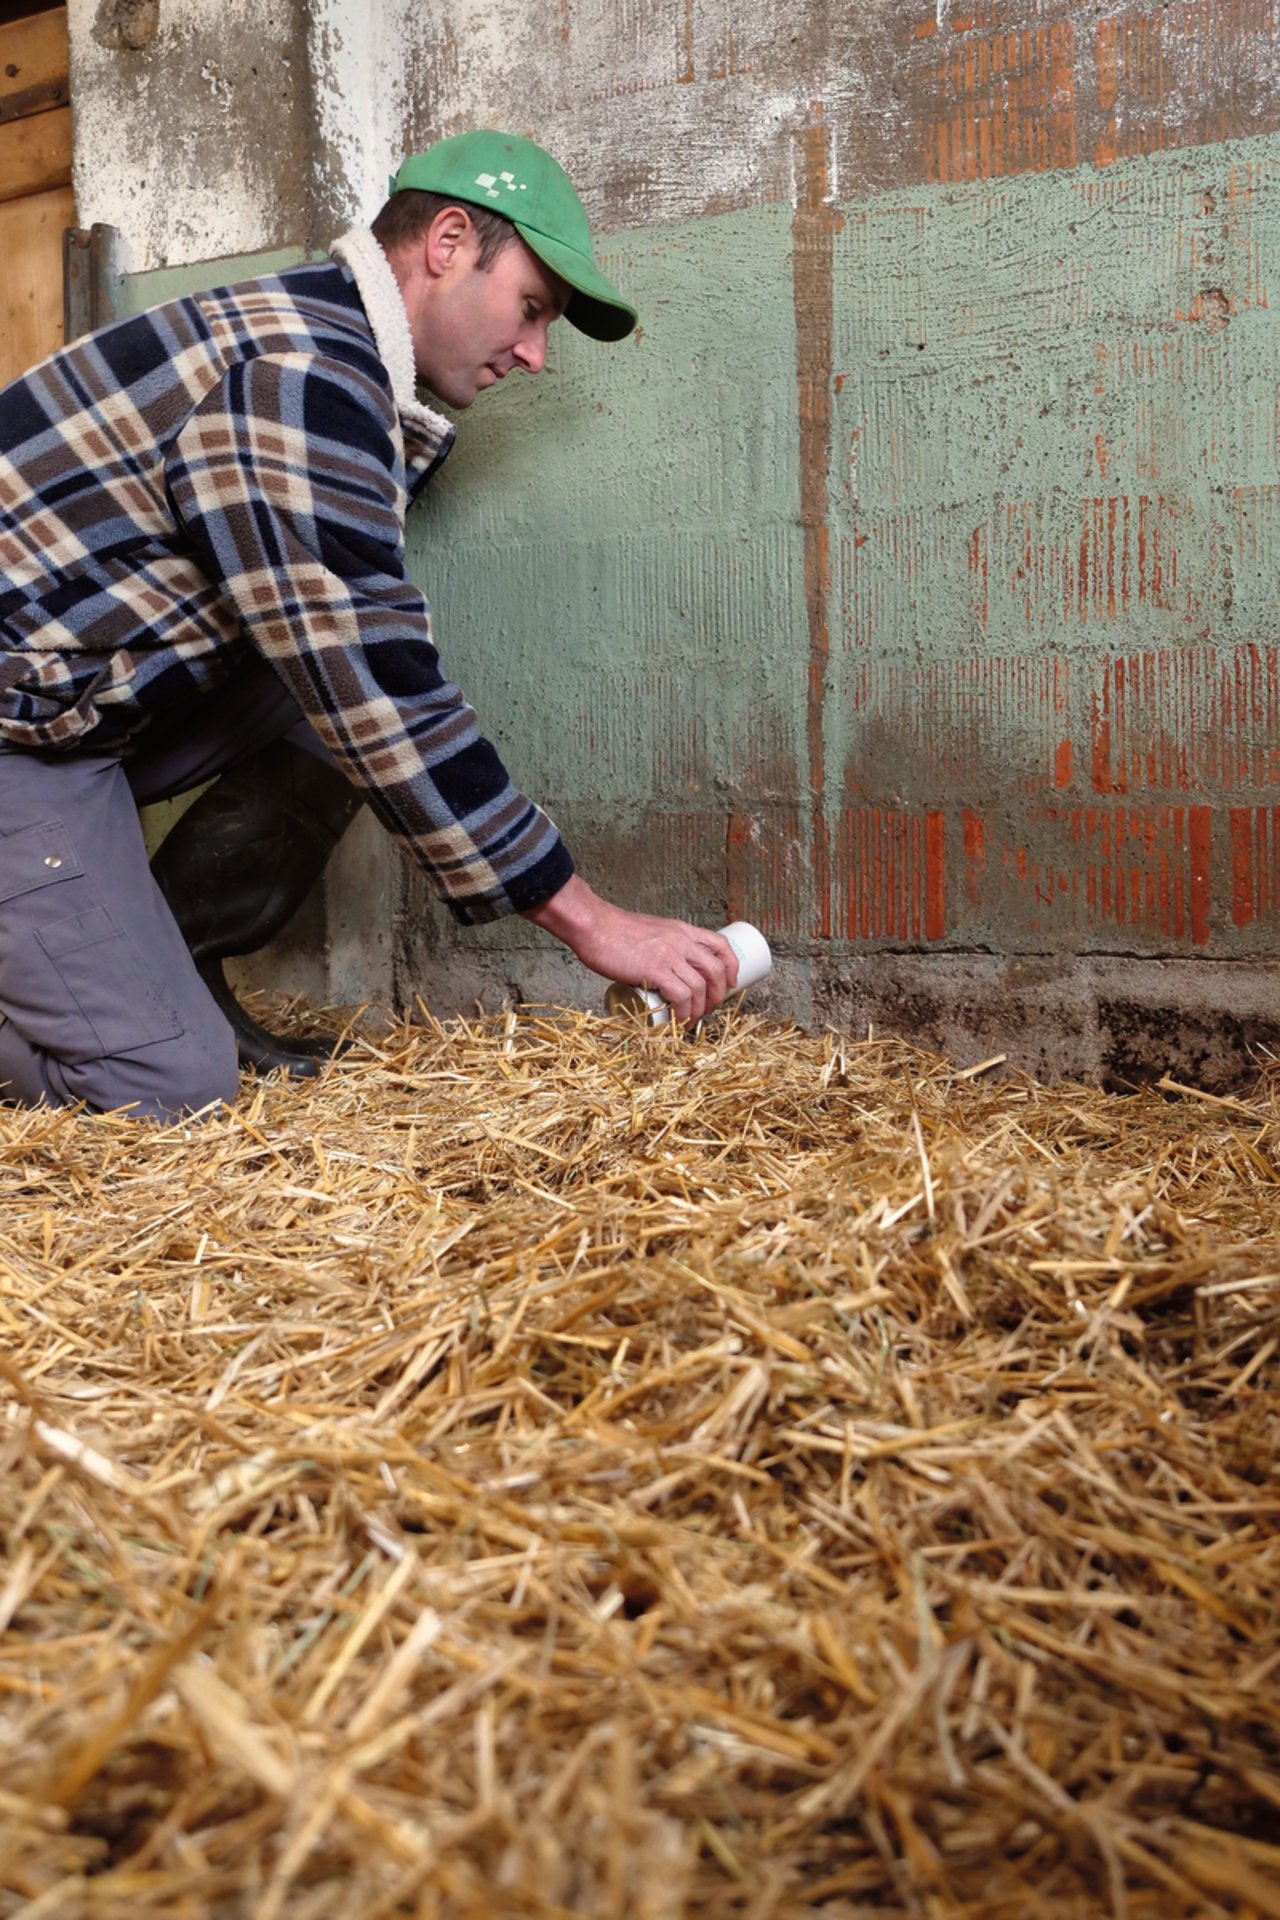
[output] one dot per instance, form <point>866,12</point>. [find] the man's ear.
<point>446,240</point>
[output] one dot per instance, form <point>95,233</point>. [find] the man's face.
<point>482,322</point>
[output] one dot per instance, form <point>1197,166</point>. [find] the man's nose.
<point>531,350</point>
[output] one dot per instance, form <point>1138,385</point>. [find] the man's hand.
<point>690,967</point>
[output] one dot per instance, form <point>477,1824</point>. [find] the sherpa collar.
<point>376,284</point>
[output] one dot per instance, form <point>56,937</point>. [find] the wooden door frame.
<point>36,173</point>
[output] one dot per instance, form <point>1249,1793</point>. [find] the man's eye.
<point>531,310</point>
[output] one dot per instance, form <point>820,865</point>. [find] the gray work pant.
<point>102,999</point>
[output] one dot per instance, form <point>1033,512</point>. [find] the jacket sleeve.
<point>285,482</point>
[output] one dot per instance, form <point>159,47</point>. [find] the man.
<point>202,575</point>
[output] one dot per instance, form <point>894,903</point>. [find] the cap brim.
<point>595,308</point>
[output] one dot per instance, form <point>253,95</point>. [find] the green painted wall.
<point>614,562</point>
<point>1041,690</point>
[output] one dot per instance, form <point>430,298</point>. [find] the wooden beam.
<point>33,65</point>
<point>31,286</point>
<point>11,10</point>
<point>35,154</point>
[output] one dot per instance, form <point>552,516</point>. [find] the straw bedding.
<point>542,1469</point>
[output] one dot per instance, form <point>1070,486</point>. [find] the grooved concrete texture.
<point>908,583</point>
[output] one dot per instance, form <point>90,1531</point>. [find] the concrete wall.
<point>907,584</point>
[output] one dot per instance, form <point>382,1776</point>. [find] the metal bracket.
<point>90,278</point>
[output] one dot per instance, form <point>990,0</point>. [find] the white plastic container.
<point>754,962</point>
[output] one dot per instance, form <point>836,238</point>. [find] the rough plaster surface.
<point>671,109</point>
<point>193,143</point>
<point>209,127</point>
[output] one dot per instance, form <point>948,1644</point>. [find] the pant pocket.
<point>73,982</point>
<point>36,857</point>
<point>107,983</point>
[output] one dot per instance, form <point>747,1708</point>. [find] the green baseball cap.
<point>511,176</point>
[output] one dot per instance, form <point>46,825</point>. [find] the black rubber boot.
<point>238,865</point>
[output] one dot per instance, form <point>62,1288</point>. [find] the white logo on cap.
<point>494,183</point>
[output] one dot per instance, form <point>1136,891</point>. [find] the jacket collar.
<point>428,436</point>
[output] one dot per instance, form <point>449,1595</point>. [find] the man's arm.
<point>690,967</point>
<point>284,483</point>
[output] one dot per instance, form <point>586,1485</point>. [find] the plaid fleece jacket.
<point>230,472</point>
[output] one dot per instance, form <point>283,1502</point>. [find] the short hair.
<point>407,215</point>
